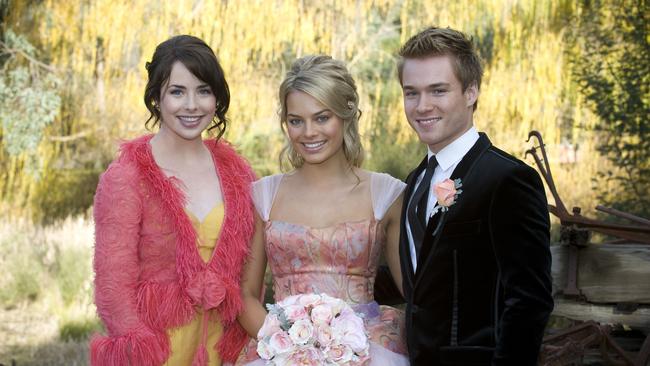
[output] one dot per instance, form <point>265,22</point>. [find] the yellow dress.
<point>186,339</point>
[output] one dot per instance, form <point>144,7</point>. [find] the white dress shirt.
<point>448,158</point>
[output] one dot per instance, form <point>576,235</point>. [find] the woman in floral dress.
<point>323,226</point>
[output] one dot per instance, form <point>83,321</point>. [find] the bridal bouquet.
<point>313,329</point>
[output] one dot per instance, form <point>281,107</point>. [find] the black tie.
<point>417,221</point>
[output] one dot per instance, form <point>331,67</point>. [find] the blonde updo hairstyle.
<point>328,81</point>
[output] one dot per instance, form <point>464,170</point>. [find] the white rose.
<point>338,305</point>
<point>301,331</point>
<point>264,351</point>
<point>324,335</point>
<point>321,314</point>
<point>339,354</point>
<point>348,321</point>
<point>309,299</point>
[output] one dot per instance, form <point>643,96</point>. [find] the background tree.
<point>99,48</point>
<point>29,102</point>
<point>609,53</point>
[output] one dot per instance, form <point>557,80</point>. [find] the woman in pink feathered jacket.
<point>160,297</point>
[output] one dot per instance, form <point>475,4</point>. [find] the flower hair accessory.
<point>447,193</point>
<point>350,104</point>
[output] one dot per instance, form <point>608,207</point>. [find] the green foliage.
<point>4,9</point>
<point>46,304</point>
<point>29,99</point>
<point>262,151</point>
<point>23,285</point>
<point>22,271</point>
<point>610,59</point>
<point>375,71</point>
<point>29,103</point>
<point>79,329</point>
<point>61,193</point>
<point>389,157</point>
<point>71,270</point>
<point>46,263</point>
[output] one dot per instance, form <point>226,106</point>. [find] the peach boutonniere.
<point>447,193</point>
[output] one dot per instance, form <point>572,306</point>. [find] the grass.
<point>46,308</point>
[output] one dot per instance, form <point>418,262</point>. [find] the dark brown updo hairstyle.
<point>201,61</point>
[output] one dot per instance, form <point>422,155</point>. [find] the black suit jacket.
<point>481,294</point>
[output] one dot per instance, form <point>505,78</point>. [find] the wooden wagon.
<point>597,286</point>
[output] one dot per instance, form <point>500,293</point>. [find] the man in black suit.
<point>475,248</point>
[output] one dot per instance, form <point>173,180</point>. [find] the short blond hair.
<point>435,41</point>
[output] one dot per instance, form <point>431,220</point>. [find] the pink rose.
<point>295,312</point>
<point>321,314</point>
<point>280,342</point>
<point>270,326</point>
<point>356,340</point>
<point>301,331</point>
<point>324,335</point>
<point>445,192</point>
<point>339,354</point>
<point>304,357</point>
<point>347,322</point>
<point>264,350</point>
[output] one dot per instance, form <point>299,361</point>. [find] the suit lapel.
<point>404,242</point>
<point>423,258</point>
<point>462,170</point>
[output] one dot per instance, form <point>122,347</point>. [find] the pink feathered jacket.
<point>149,276</point>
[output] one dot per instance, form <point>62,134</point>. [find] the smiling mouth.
<point>428,121</point>
<point>313,146</point>
<point>190,121</point>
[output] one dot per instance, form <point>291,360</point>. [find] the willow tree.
<point>100,48</point>
<point>610,58</point>
<point>29,102</point>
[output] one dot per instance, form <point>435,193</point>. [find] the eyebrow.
<point>430,86</point>
<point>183,87</point>
<point>315,114</point>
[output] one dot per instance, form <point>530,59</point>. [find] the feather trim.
<point>232,341</point>
<point>139,347</point>
<point>231,249</point>
<point>157,311</point>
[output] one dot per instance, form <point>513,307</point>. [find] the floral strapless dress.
<point>340,261</point>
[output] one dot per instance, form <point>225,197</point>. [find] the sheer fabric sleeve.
<point>264,191</point>
<point>384,190</point>
<point>118,214</point>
